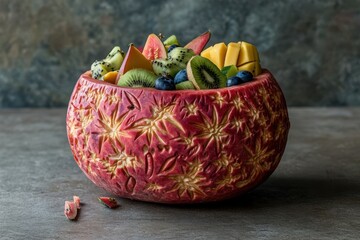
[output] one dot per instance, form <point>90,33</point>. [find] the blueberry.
<point>245,76</point>
<point>181,76</point>
<point>233,81</point>
<point>164,83</point>
<point>172,47</point>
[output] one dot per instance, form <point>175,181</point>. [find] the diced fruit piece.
<point>154,48</point>
<point>133,59</point>
<point>217,54</point>
<point>171,47</point>
<point>232,54</point>
<point>229,71</point>
<point>164,83</point>
<point>185,85</point>
<point>181,76</point>
<point>249,59</point>
<point>181,55</point>
<point>253,67</point>
<point>114,59</point>
<point>248,53</point>
<point>245,76</point>
<point>70,210</point>
<point>110,77</point>
<point>206,53</point>
<point>108,202</point>
<point>204,74</point>
<point>233,81</point>
<point>172,40</point>
<point>98,69</point>
<point>137,78</point>
<point>167,68</point>
<point>77,201</point>
<point>111,63</point>
<point>198,44</point>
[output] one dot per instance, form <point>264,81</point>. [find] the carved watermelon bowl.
<point>185,146</point>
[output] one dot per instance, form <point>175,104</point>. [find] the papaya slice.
<point>133,59</point>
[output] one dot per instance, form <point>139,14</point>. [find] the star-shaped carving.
<point>110,127</point>
<point>164,113</point>
<point>189,181</point>
<point>150,128</point>
<point>258,158</point>
<point>157,124</point>
<point>121,160</point>
<point>228,180</point>
<point>238,103</point>
<point>190,109</point>
<point>218,98</point>
<point>238,124</point>
<point>213,130</point>
<point>112,97</point>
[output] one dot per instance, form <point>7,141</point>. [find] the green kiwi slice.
<point>98,69</point>
<point>171,41</point>
<point>163,67</point>
<point>204,74</point>
<point>181,55</point>
<point>114,59</point>
<point>137,78</point>
<point>230,71</point>
<point>184,85</point>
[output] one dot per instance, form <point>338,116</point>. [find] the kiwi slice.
<point>98,69</point>
<point>181,55</point>
<point>137,78</point>
<point>204,74</point>
<point>184,85</point>
<point>172,40</point>
<point>163,67</point>
<point>114,59</point>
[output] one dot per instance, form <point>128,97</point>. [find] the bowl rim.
<point>265,76</point>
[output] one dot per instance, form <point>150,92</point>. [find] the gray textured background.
<point>312,47</point>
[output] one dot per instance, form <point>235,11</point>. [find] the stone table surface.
<point>313,194</point>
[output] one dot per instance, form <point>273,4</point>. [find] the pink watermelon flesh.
<point>199,43</point>
<point>108,202</point>
<point>70,210</point>
<point>77,202</point>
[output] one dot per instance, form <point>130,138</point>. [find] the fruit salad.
<point>167,65</point>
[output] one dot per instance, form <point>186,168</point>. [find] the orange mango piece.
<point>110,77</point>
<point>206,53</point>
<point>217,54</point>
<point>232,54</point>
<point>248,53</point>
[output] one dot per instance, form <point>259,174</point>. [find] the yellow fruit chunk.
<point>248,53</point>
<point>217,54</point>
<point>110,77</point>
<point>253,67</point>
<point>206,53</point>
<point>232,54</point>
